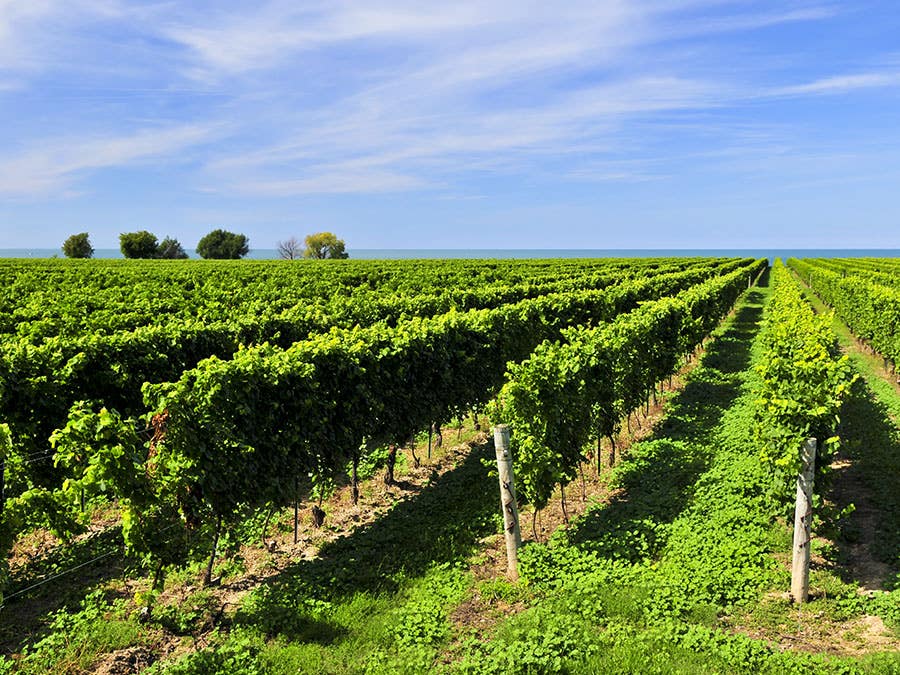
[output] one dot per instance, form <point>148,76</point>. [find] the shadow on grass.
<point>658,474</point>
<point>60,578</point>
<point>868,547</point>
<point>441,524</point>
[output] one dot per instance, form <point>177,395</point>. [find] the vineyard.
<point>260,467</point>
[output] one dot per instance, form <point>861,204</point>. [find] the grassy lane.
<point>868,470</point>
<point>666,578</point>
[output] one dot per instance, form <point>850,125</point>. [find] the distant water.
<point>457,253</point>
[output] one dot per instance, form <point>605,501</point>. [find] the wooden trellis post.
<point>802,522</point>
<point>511,532</point>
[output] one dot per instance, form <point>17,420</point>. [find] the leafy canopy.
<point>220,244</point>
<point>171,249</point>
<point>78,246</point>
<point>323,245</point>
<point>141,244</point>
<point>144,244</point>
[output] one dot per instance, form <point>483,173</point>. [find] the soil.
<point>125,661</point>
<point>814,633</point>
<point>849,487</point>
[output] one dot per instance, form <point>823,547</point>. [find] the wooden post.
<point>207,578</point>
<point>2,482</point>
<point>508,505</point>
<point>296,512</point>
<point>802,522</point>
<point>354,479</point>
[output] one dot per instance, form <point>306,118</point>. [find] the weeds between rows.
<point>644,583</point>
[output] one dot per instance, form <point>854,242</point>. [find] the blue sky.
<point>613,124</point>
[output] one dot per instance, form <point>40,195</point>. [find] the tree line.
<point>218,245</point>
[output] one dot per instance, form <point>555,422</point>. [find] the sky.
<point>395,124</point>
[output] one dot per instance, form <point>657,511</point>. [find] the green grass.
<point>78,638</point>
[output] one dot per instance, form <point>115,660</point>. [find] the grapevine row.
<point>871,310</point>
<point>581,388</point>
<point>803,379</point>
<point>234,435</point>
<point>38,384</point>
<point>40,301</point>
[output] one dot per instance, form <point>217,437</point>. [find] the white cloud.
<point>55,163</point>
<point>333,181</point>
<point>31,30</point>
<point>268,36</point>
<point>478,88</point>
<point>840,84</point>
<point>338,96</point>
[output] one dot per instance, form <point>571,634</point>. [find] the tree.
<point>78,246</point>
<point>290,249</point>
<point>220,244</point>
<point>324,245</point>
<point>171,249</point>
<point>140,244</point>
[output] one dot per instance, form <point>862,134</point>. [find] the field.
<point>275,467</point>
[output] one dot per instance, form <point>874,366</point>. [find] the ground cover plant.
<point>676,563</point>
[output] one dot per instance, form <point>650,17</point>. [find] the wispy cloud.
<point>840,84</point>
<point>333,182</point>
<point>31,32</point>
<point>339,97</point>
<point>477,86</point>
<point>55,163</point>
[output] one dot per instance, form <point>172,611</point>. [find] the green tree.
<point>78,246</point>
<point>323,245</point>
<point>220,244</point>
<point>171,249</point>
<point>140,244</point>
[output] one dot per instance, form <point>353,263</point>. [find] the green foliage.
<point>568,392</point>
<point>223,439</point>
<point>541,640</point>
<point>803,381</point>
<point>171,249</point>
<point>637,585</point>
<point>194,613</point>
<point>324,245</point>
<point>422,621</point>
<point>887,606</point>
<point>7,529</point>
<point>141,244</point>
<point>240,653</point>
<point>77,639</point>
<point>238,431</point>
<point>101,452</point>
<point>223,245</point>
<point>869,302</point>
<point>656,610</point>
<point>420,624</point>
<point>78,246</point>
